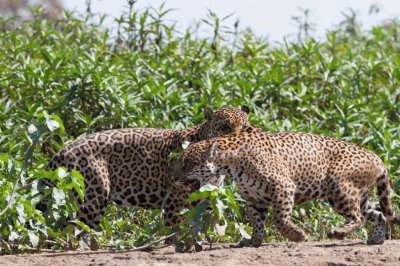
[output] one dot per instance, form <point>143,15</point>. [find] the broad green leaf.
<point>57,119</point>
<point>220,207</point>
<point>61,172</point>
<point>13,236</point>
<point>243,232</point>
<point>21,213</point>
<point>203,192</point>
<point>197,195</point>
<point>78,183</point>
<point>52,124</point>
<point>58,196</point>
<point>32,129</point>
<point>208,187</point>
<point>220,229</point>
<point>34,239</point>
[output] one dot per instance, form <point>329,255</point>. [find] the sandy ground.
<point>346,252</point>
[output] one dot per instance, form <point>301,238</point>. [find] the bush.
<point>60,79</point>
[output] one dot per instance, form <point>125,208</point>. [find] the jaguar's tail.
<point>384,195</point>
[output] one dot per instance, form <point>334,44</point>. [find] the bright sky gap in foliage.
<point>273,19</point>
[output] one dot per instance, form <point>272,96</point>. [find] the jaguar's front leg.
<point>257,218</point>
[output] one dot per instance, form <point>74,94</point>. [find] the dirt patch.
<point>347,252</point>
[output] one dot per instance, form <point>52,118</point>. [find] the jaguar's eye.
<point>226,129</point>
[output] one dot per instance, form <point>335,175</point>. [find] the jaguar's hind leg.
<point>348,206</point>
<point>376,219</point>
<point>97,196</point>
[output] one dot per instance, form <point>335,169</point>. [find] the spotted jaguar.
<point>131,166</point>
<point>283,169</point>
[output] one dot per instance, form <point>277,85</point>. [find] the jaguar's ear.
<point>208,113</point>
<point>245,109</point>
<point>213,151</point>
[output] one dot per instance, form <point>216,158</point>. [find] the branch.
<point>109,251</point>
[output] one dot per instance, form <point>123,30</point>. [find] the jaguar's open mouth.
<point>193,184</point>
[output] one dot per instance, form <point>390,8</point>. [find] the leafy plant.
<point>61,79</point>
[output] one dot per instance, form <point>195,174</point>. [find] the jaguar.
<point>279,170</point>
<point>131,166</point>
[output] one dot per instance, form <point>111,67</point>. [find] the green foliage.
<point>62,79</point>
<point>220,223</point>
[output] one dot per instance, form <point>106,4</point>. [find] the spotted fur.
<point>284,169</point>
<point>131,167</point>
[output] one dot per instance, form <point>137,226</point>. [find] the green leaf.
<point>232,203</point>
<point>220,229</point>
<point>32,133</point>
<point>4,158</point>
<point>220,207</point>
<point>208,187</point>
<point>46,55</point>
<point>243,232</point>
<point>197,195</point>
<point>85,227</point>
<point>78,183</point>
<point>52,125</point>
<point>58,120</point>
<point>69,229</point>
<point>32,129</point>
<point>204,192</point>
<point>13,236</point>
<point>58,196</point>
<point>34,238</point>
<point>21,213</point>
<point>61,172</point>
